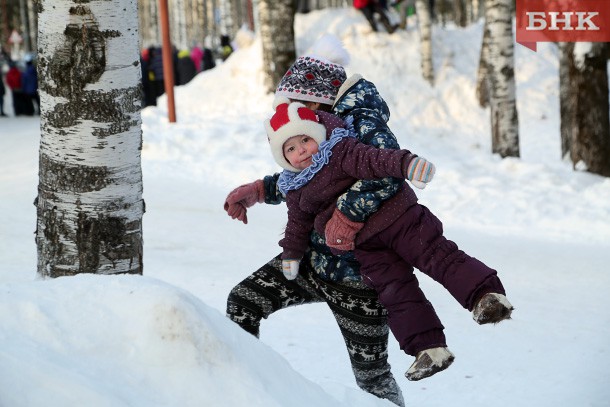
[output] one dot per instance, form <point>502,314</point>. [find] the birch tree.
<point>460,13</point>
<point>89,203</point>
<point>566,101</point>
<point>178,26</point>
<point>424,21</point>
<point>482,88</point>
<point>501,76</point>
<point>149,23</point>
<point>276,18</point>
<point>584,106</point>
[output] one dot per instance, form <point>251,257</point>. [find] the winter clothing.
<point>185,68</point>
<point>317,76</point>
<point>13,78</point>
<point>226,49</point>
<point>196,57</point>
<point>341,231</point>
<point>244,197</point>
<point>429,362</point>
<point>290,268</point>
<point>13,81</point>
<point>149,97</point>
<point>310,205</point>
<point>371,7</point>
<point>401,227</point>
<point>359,99</point>
<point>291,120</point>
<point>420,170</point>
<point>29,80</point>
<point>29,87</point>
<point>361,318</point>
<point>207,61</point>
<point>491,309</point>
<point>2,92</point>
<point>155,70</point>
<point>334,279</point>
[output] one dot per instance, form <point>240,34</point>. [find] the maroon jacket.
<point>312,205</point>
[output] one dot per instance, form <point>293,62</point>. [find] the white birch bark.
<point>89,204</point>
<point>424,21</point>
<point>177,24</point>
<point>500,68</point>
<point>226,20</point>
<point>277,37</point>
<point>475,10</point>
<point>148,23</point>
<point>482,89</point>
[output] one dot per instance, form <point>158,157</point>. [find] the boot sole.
<point>432,370</point>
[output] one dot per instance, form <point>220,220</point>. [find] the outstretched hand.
<point>420,172</point>
<point>243,197</point>
<point>237,211</point>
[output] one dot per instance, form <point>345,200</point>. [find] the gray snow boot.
<point>429,362</point>
<point>491,309</point>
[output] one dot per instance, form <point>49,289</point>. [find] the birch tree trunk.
<point>277,36</point>
<point>177,23</point>
<point>424,21</point>
<point>590,138</point>
<point>459,13</point>
<point>500,68</point>
<point>148,23</point>
<point>566,99</point>
<point>226,20</point>
<point>89,203</point>
<point>482,89</point>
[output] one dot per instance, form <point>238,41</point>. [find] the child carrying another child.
<point>322,158</point>
<point>319,81</point>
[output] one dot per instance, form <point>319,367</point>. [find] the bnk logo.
<point>554,20</point>
<point>562,20</point>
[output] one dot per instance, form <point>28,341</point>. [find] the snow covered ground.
<point>163,340</point>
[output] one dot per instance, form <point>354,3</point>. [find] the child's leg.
<point>417,236</point>
<point>363,323</point>
<point>411,317</point>
<point>368,14</point>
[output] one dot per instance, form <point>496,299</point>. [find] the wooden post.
<point>168,65</point>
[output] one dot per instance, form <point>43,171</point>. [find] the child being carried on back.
<point>322,158</point>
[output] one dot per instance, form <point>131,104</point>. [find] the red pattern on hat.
<point>291,120</point>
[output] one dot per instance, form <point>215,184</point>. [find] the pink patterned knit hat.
<point>317,76</point>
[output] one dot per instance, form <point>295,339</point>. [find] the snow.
<point>162,339</point>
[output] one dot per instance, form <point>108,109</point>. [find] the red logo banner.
<point>562,21</point>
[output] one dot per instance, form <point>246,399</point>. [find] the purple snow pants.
<point>416,240</point>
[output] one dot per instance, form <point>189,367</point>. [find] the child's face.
<point>298,151</point>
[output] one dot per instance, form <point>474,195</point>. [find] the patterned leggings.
<point>362,320</point>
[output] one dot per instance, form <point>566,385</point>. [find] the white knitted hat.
<point>289,120</point>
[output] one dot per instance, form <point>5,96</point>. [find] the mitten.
<point>340,232</point>
<point>247,194</point>
<point>244,197</point>
<point>237,211</point>
<point>420,172</point>
<point>290,268</point>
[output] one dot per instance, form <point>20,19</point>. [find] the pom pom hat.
<point>317,76</point>
<point>289,120</point>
